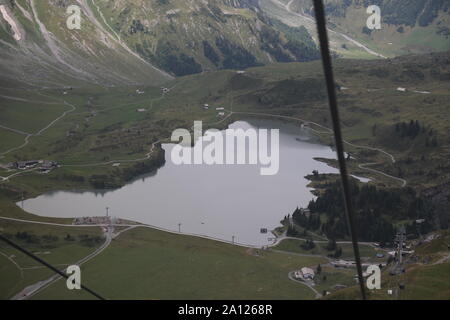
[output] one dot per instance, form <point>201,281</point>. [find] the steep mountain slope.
<point>190,36</point>
<point>132,41</point>
<point>415,26</point>
<point>37,48</point>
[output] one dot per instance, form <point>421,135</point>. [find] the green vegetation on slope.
<point>186,37</point>
<point>417,26</point>
<point>149,264</point>
<point>427,275</point>
<point>107,127</point>
<point>58,245</point>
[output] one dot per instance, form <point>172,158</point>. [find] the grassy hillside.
<point>186,37</point>
<point>427,276</point>
<point>106,127</point>
<point>149,264</point>
<point>418,26</point>
<point>50,243</point>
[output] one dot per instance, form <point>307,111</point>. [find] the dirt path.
<point>29,136</point>
<point>33,289</point>
<point>13,262</point>
<point>287,7</point>
<point>291,277</point>
<point>87,10</point>
<point>442,260</point>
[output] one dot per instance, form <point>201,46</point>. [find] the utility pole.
<point>400,239</point>
<point>398,269</point>
<point>232,239</point>
<point>418,225</point>
<point>179,228</point>
<point>107,211</point>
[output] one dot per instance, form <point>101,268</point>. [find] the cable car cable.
<point>34,257</point>
<point>332,99</point>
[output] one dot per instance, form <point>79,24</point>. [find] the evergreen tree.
<point>319,269</point>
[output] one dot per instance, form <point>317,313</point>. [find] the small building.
<point>220,108</point>
<point>240,72</point>
<point>307,273</point>
<point>141,110</point>
<point>25,164</point>
<point>12,165</point>
<point>343,264</point>
<point>139,91</point>
<point>401,89</point>
<point>21,165</point>
<point>221,114</point>
<point>47,166</point>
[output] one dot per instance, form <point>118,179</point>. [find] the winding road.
<point>309,285</point>
<point>33,289</point>
<point>288,8</point>
<point>28,136</point>
<point>330,131</point>
<point>230,113</point>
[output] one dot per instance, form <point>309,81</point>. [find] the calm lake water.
<point>219,201</point>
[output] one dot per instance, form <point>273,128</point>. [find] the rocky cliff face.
<point>249,4</point>
<point>38,48</point>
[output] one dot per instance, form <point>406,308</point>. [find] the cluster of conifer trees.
<point>377,213</point>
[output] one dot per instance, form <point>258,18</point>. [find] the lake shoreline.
<point>257,203</point>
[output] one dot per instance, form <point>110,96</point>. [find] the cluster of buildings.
<point>304,274</point>
<point>43,166</point>
<point>220,109</point>
<point>352,264</point>
<point>105,220</point>
<point>343,264</point>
